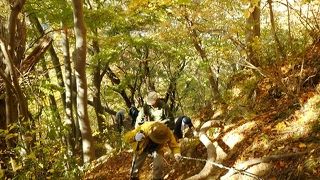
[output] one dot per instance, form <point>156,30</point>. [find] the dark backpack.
<point>133,112</point>
<point>177,127</point>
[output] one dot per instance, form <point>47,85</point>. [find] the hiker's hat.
<point>152,98</point>
<point>159,133</point>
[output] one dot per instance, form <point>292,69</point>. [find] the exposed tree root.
<point>211,150</point>
<point>259,165</point>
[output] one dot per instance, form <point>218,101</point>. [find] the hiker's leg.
<point>137,164</point>
<point>157,166</point>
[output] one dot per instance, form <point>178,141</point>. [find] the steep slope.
<point>280,141</point>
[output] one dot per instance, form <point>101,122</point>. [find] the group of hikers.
<point>155,129</point>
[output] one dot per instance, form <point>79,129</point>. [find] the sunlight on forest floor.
<point>237,134</point>
<point>304,120</point>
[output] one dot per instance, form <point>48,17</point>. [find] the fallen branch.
<point>225,167</point>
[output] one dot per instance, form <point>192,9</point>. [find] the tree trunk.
<point>171,93</point>
<point>253,31</point>
<point>273,30</point>
<point>149,83</point>
<point>97,78</point>
<point>15,101</point>
<point>53,103</point>
<point>16,7</point>
<point>115,80</point>
<point>53,55</point>
<point>97,101</point>
<point>81,81</point>
<point>11,113</point>
<point>212,75</point>
<point>10,56</point>
<point>71,139</point>
<point>289,23</point>
<point>58,71</point>
<point>78,138</point>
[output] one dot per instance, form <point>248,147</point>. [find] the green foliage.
<point>115,140</point>
<point>161,33</point>
<point>240,94</point>
<point>48,160</point>
<point>52,12</point>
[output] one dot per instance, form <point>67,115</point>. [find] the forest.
<point>246,72</point>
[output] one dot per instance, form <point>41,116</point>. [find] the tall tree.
<point>253,31</point>
<point>52,99</point>
<point>13,53</point>
<point>279,46</point>
<point>97,78</point>
<point>212,72</point>
<point>81,81</point>
<point>72,135</point>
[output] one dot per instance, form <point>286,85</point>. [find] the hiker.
<point>182,123</point>
<point>133,113</point>
<point>120,115</point>
<point>151,138</point>
<point>155,109</point>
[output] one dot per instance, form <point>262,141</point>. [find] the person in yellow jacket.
<point>151,138</point>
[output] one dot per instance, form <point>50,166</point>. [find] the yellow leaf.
<point>247,14</point>
<point>281,126</point>
<point>302,145</point>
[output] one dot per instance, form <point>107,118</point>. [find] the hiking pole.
<point>138,137</point>
<point>134,159</point>
<point>243,172</point>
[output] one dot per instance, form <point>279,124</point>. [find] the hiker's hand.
<point>177,157</point>
<point>139,136</point>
